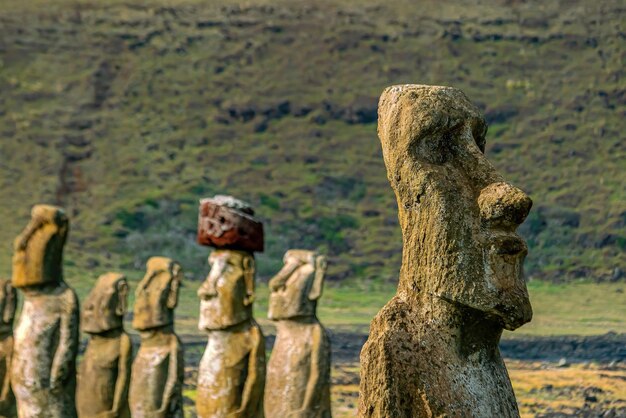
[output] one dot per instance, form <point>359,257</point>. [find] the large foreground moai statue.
<point>298,373</point>
<point>104,372</point>
<point>158,369</point>
<point>8,303</point>
<point>433,349</point>
<point>43,370</point>
<point>231,375</point>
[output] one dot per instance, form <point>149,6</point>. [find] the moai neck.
<point>157,336</point>
<point>107,335</point>
<point>242,326</point>
<point>298,321</point>
<point>44,289</point>
<point>462,329</point>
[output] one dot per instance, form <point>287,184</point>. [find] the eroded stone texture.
<point>229,223</point>
<point>8,303</point>
<point>43,369</point>
<point>158,369</point>
<point>433,349</point>
<point>298,373</point>
<point>104,372</point>
<point>231,375</point>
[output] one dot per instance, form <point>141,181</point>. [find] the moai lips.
<point>225,222</point>
<point>104,373</point>
<point>8,303</point>
<point>433,348</point>
<point>298,373</point>
<point>43,369</point>
<point>231,375</point>
<point>158,369</point>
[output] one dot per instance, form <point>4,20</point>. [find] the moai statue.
<point>8,303</point>
<point>231,375</point>
<point>43,369</point>
<point>298,373</point>
<point>433,348</point>
<point>104,372</point>
<point>158,369</point>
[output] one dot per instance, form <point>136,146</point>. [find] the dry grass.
<point>539,387</point>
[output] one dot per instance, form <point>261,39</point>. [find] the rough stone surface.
<point>231,375</point>
<point>433,349</point>
<point>298,373</point>
<point>158,369</point>
<point>43,369</point>
<point>104,373</point>
<point>226,222</point>
<point>8,303</point>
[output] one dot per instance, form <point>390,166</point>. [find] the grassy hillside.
<point>126,113</point>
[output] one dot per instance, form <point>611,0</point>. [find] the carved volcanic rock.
<point>227,223</point>
<point>433,349</point>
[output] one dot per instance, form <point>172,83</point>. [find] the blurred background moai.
<point>158,369</point>
<point>298,372</point>
<point>43,369</point>
<point>433,348</point>
<point>8,304</point>
<point>104,372</point>
<point>231,375</point>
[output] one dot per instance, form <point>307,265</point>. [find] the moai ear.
<point>318,280</point>
<point>10,303</point>
<point>248,277</point>
<point>122,298</point>
<point>172,297</point>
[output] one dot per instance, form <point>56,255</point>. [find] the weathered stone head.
<point>8,304</point>
<point>157,294</point>
<point>458,215</point>
<point>227,294</point>
<point>38,249</point>
<point>297,286</point>
<point>104,308</point>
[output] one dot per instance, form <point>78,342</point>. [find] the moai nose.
<point>503,205</point>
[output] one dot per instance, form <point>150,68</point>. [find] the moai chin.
<point>433,348</point>
<point>8,303</point>
<point>231,375</point>
<point>158,369</point>
<point>104,372</point>
<point>298,373</point>
<point>43,369</point>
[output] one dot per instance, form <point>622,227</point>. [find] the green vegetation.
<point>126,113</point>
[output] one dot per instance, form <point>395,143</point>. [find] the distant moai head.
<point>227,294</point>
<point>157,294</point>
<point>458,215</point>
<point>8,304</point>
<point>38,250</point>
<point>297,286</point>
<point>104,308</point>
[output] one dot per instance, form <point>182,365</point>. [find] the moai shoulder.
<point>433,349</point>
<point>298,373</point>
<point>158,369</point>
<point>8,304</point>
<point>44,379</point>
<point>231,376</point>
<point>104,373</point>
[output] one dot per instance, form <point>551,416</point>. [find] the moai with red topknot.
<point>231,376</point>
